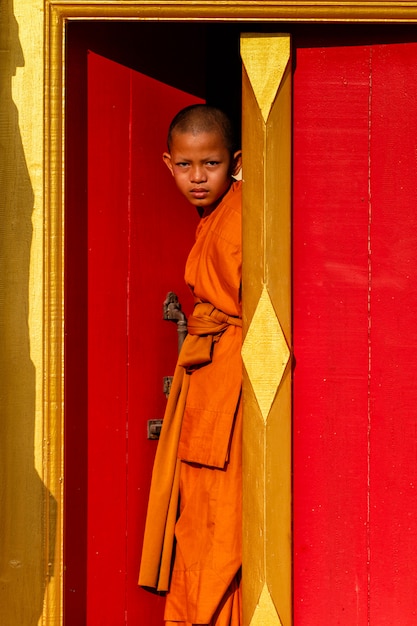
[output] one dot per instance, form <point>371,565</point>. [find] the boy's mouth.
<point>199,193</point>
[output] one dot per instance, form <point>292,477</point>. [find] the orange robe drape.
<point>199,452</point>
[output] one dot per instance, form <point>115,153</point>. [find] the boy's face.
<point>202,166</point>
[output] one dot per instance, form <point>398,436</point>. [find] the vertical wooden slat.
<point>393,336</point>
<point>266,142</point>
<point>109,93</point>
<point>330,334</point>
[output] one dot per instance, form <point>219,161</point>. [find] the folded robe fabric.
<point>163,498</point>
<point>205,327</point>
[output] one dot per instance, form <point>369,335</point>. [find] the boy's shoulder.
<point>227,219</point>
<point>233,198</point>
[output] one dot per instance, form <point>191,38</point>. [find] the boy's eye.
<point>212,162</point>
<point>181,164</point>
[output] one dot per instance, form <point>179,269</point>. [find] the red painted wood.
<point>354,273</point>
<point>331,90</point>
<point>108,178</point>
<point>393,363</point>
<point>140,231</point>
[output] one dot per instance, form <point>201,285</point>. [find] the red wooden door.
<point>139,232</point>
<point>354,241</point>
<point>355,257</point>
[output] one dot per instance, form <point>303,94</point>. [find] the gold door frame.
<point>260,608</point>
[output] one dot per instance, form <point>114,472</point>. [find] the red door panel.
<point>355,253</point>
<point>108,179</point>
<point>393,363</point>
<point>139,232</point>
<point>330,334</point>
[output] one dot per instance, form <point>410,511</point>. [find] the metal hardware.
<point>173,313</point>
<point>167,381</point>
<point>154,428</point>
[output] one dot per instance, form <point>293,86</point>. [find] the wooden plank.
<point>330,247</point>
<point>266,143</point>
<point>109,110</point>
<point>393,336</point>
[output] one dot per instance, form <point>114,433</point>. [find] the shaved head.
<point>201,118</point>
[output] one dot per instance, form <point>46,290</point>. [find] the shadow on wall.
<point>24,561</point>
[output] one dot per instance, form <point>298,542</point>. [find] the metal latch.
<point>154,428</point>
<point>167,382</point>
<point>173,313</point>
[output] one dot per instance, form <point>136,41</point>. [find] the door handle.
<point>174,313</point>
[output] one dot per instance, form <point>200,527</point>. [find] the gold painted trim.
<point>266,237</point>
<point>265,612</point>
<point>265,353</point>
<point>54,168</point>
<point>57,14</point>
<point>253,56</point>
<point>230,10</point>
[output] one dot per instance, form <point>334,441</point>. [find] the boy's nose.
<point>198,175</point>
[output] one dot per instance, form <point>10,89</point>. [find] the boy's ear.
<point>236,162</point>
<point>168,162</point>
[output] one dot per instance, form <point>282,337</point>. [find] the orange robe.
<point>200,451</point>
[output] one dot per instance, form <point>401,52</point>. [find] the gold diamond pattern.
<point>265,353</point>
<point>265,613</point>
<point>265,58</point>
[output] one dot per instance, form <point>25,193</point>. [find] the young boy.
<point>198,460</point>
